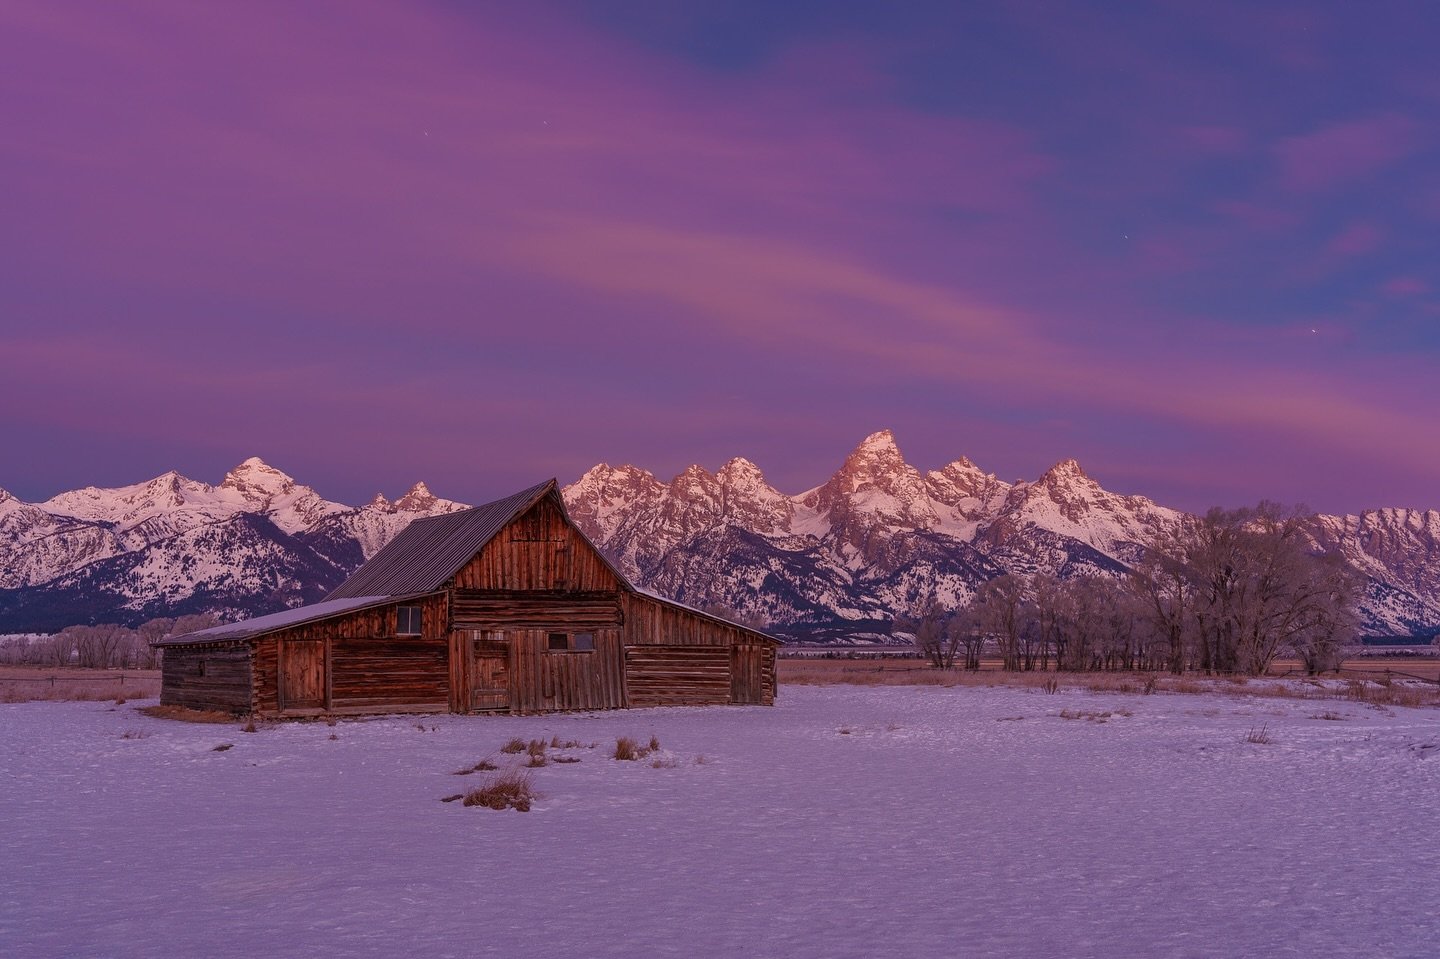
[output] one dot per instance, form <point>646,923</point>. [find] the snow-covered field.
<point>846,821</point>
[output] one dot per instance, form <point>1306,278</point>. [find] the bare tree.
<point>1002,608</point>
<point>1236,587</point>
<point>937,633</point>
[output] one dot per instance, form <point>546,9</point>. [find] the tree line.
<point>106,646</point>
<point>1225,593</point>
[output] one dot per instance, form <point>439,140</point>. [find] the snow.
<point>845,821</point>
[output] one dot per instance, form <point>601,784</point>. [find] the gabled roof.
<point>429,551</point>
<point>232,632</point>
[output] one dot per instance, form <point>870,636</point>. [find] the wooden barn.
<point>505,608</point>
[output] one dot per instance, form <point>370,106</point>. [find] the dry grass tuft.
<point>627,749</point>
<point>664,762</point>
<point>536,760</point>
<point>186,715</point>
<point>514,746</point>
<point>1261,736</point>
<point>511,790</point>
<point>565,760</point>
<point>223,747</point>
<point>249,726</point>
<point>630,750</point>
<point>1333,717</point>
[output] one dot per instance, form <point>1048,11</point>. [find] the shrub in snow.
<point>511,790</point>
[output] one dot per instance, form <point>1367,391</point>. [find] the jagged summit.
<point>1062,471</point>
<point>417,499</point>
<point>255,476</point>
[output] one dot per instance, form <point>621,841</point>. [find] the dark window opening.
<point>571,642</point>
<point>407,621</point>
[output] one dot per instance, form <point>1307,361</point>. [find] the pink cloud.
<point>1343,152</point>
<point>1357,239</point>
<point>1401,287</point>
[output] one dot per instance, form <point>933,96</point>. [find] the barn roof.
<point>429,551</point>
<point>231,632</point>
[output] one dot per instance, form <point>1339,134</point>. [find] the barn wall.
<point>675,656</point>
<point>542,681</point>
<point>366,665</point>
<point>539,550</point>
<point>206,677</point>
<point>570,611</point>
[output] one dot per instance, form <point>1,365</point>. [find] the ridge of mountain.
<point>837,561</point>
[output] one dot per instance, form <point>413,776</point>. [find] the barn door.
<point>489,673</point>
<point>302,674</point>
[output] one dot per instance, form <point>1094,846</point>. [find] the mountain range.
<point>835,562</point>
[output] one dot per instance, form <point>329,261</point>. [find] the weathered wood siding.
<point>538,550</point>
<point>677,675</point>
<point>563,611</point>
<point>389,673</point>
<point>544,681</point>
<point>206,677</point>
<point>752,674</point>
<point>365,665</point>
<point>743,661</point>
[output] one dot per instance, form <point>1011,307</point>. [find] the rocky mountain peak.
<point>378,502</point>
<point>255,479</point>
<point>750,501</point>
<point>877,453</point>
<point>418,499</point>
<point>1065,471</point>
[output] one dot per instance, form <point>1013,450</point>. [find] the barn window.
<point>407,621</point>
<point>571,642</point>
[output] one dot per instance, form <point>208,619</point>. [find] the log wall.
<point>746,658</point>
<point>206,677</point>
<point>557,610</point>
<point>677,675</point>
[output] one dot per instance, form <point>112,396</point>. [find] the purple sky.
<point>1193,245</point>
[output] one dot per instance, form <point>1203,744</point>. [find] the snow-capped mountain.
<point>840,560</point>
<point>879,537</point>
<point>256,542</point>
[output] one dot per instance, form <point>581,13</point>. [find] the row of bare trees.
<point>106,646</point>
<point>1228,592</point>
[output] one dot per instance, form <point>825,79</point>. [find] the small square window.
<point>559,642</point>
<point>407,621</point>
<point>583,642</point>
